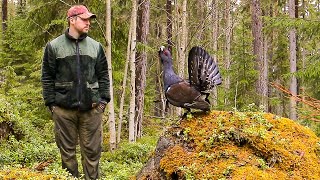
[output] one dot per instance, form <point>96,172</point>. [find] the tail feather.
<point>214,71</point>
<point>203,71</point>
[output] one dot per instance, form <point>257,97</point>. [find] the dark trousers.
<point>69,125</point>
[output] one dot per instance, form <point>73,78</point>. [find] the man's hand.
<point>102,106</point>
<point>51,108</point>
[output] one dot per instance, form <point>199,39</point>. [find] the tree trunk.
<point>261,84</point>
<point>142,33</point>
<point>169,29</point>
<point>227,56</point>
<point>277,108</point>
<point>303,57</point>
<point>182,45</point>
<point>293,62</point>
<point>4,15</point>
<point>202,26</point>
<point>111,116</point>
<point>124,85</point>
<point>159,107</point>
<point>215,30</point>
<point>265,73</point>
<point>5,130</point>
<point>169,24</point>
<point>133,28</point>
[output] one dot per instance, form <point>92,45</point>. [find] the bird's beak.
<point>162,48</point>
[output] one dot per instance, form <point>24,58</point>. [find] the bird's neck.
<point>169,76</point>
<point>168,68</point>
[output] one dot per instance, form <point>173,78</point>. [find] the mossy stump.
<point>235,145</point>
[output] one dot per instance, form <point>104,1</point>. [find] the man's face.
<point>80,24</point>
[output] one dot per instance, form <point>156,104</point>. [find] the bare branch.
<point>64,3</point>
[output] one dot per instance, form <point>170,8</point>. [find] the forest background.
<point>267,52</point>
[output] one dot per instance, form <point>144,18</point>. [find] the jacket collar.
<point>82,36</point>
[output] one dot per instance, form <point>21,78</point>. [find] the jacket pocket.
<point>94,91</point>
<point>63,93</point>
<point>63,87</point>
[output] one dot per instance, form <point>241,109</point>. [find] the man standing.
<point>75,84</point>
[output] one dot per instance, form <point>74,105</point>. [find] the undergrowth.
<point>28,151</point>
<point>123,163</point>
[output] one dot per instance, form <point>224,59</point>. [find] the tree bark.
<point>4,15</point>
<point>159,107</point>
<point>5,130</point>
<point>169,30</point>
<point>265,72</point>
<point>141,62</point>
<point>261,84</point>
<point>215,30</point>
<point>182,46</point>
<point>202,26</point>
<point>111,115</point>
<point>169,24</point>
<point>227,53</point>
<point>293,62</point>
<point>304,52</point>
<point>124,85</point>
<point>133,28</point>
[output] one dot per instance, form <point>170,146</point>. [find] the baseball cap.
<point>81,11</point>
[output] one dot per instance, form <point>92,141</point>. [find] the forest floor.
<point>214,145</point>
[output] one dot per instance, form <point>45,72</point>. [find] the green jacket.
<point>75,73</point>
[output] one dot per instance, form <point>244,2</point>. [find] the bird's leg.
<point>186,113</point>
<point>166,108</point>
<point>207,98</point>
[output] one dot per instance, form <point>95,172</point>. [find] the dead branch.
<point>312,102</point>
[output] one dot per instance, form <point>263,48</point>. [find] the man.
<point>76,89</point>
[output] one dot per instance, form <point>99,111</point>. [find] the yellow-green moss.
<point>24,174</point>
<point>231,144</point>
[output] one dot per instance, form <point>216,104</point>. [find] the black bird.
<point>204,75</point>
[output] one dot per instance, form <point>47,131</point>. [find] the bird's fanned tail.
<point>203,71</point>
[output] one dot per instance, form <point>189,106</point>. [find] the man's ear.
<point>72,20</point>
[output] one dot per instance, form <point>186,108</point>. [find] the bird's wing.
<point>182,93</point>
<point>186,96</point>
<point>203,71</point>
